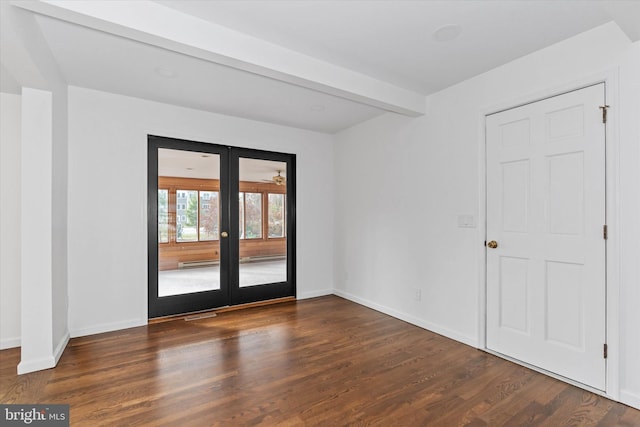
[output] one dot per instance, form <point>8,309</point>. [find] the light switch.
<point>466,221</point>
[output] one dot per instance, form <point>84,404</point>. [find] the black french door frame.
<point>190,302</point>
<point>249,294</point>
<point>230,293</point>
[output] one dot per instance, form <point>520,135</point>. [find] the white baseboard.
<point>440,330</point>
<point>6,343</point>
<point>26,366</point>
<point>629,398</point>
<point>314,294</point>
<point>60,347</point>
<point>107,327</point>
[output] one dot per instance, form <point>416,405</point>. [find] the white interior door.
<point>546,212</point>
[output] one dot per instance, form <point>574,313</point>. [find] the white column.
<point>36,228</point>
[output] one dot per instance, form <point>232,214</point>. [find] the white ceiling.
<point>392,40</point>
<point>191,164</point>
<point>188,164</point>
<point>385,45</point>
<point>94,59</point>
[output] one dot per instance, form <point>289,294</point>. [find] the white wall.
<point>629,207</point>
<point>107,199</point>
<point>10,122</point>
<point>403,182</point>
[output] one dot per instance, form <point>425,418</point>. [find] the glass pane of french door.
<point>188,222</point>
<point>262,199</point>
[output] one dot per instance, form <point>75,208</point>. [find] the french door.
<point>221,226</point>
<point>546,255</point>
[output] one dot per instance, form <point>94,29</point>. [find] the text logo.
<point>34,415</point>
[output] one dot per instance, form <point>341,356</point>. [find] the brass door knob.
<point>224,234</point>
<point>492,244</point>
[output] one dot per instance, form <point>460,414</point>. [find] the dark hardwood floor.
<point>319,362</point>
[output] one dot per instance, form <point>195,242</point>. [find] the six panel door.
<point>546,212</point>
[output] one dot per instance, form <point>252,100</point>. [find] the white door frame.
<point>610,79</point>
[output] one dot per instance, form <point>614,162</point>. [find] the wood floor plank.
<point>319,362</point>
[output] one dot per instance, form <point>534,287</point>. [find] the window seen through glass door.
<point>188,222</point>
<point>262,222</point>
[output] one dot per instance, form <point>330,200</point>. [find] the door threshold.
<point>199,316</point>
<point>196,315</point>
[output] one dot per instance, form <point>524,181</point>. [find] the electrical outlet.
<point>417,294</point>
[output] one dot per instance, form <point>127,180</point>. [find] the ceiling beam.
<point>151,23</point>
<point>25,57</point>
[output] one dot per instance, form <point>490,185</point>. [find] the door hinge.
<point>605,232</point>
<point>606,351</point>
<point>604,112</point>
